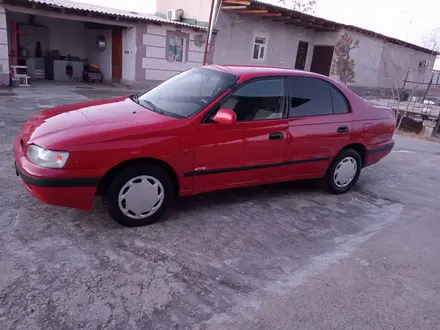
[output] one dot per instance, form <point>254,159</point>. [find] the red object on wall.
<point>116,54</point>
<point>14,44</point>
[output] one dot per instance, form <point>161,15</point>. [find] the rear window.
<point>309,97</point>
<point>340,104</point>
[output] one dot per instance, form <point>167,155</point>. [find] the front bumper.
<point>54,192</point>
<point>75,189</point>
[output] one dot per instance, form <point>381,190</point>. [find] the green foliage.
<point>343,65</point>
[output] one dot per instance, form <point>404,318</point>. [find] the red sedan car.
<point>208,128</point>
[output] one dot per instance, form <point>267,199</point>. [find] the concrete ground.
<point>284,256</point>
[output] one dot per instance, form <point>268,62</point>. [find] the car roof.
<point>249,71</point>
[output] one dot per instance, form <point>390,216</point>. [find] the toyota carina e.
<point>208,128</point>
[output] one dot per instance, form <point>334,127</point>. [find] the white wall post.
<point>4,51</point>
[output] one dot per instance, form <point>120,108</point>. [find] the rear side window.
<point>309,97</point>
<point>340,104</point>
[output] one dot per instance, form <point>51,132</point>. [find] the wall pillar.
<point>4,52</point>
<point>428,127</point>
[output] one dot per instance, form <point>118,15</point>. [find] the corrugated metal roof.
<point>109,11</point>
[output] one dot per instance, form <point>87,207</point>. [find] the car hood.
<point>118,111</point>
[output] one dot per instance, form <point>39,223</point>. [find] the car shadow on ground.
<point>241,195</point>
<point>227,198</point>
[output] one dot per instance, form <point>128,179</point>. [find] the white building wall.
<point>4,49</point>
<point>234,45</point>
<point>236,35</point>
<point>154,62</point>
<point>326,38</point>
<point>101,58</point>
<point>129,55</point>
<point>381,64</point>
<point>367,59</point>
<point>395,63</point>
<point>65,35</point>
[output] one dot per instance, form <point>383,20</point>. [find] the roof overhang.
<point>72,10</point>
<point>279,14</point>
<point>391,40</point>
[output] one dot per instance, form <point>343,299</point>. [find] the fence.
<point>418,101</point>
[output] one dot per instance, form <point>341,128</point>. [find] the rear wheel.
<point>344,172</point>
<point>139,195</point>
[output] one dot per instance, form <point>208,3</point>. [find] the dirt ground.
<point>420,136</point>
<point>283,256</point>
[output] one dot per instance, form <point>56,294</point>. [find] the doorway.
<point>117,54</point>
<point>322,59</point>
<point>301,55</point>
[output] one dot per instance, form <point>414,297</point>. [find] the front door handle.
<point>276,136</point>
<point>342,129</point>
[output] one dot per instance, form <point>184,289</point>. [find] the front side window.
<point>258,100</point>
<point>259,50</point>
<point>309,97</point>
<point>186,93</point>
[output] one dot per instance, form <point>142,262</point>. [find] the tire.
<point>133,182</point>
<point>345,158</point>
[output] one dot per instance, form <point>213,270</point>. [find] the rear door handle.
<point>342,129</point>
<point>276,136</point>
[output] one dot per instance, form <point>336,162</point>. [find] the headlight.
<point>47,158</point>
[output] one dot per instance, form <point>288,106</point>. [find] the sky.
<point>408,20</point>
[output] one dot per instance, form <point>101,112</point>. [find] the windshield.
<point>186,93</point>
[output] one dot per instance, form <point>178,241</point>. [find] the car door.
<point>319,126</point>
<point>252,149</point>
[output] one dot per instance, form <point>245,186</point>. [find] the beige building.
<point>144,49</point>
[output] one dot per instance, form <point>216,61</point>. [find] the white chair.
<point>22,77</point>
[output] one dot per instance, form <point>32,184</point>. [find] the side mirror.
<point>225,116</point>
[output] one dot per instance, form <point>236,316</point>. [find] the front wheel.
<point>139,195</point>
<point>344,172</point>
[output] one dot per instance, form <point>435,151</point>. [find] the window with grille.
<point>259,51</point>
<point>175,50</point>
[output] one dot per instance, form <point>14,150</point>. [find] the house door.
<point>116,54</point>
<point>322,59</point>
<point>301,55</point>
<point>14,44</point>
